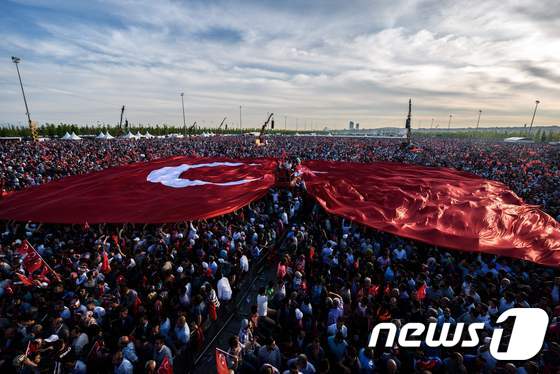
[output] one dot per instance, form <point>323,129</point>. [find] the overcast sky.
<point>324,62</point>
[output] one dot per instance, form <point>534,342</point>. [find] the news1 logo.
<point>525,341</point>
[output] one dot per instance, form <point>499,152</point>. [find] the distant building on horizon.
<point>357,126</point>
<point>351,125</point>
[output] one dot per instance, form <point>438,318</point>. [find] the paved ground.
<point>207,363</point>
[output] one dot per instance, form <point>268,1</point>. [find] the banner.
<point>168,190</point>
<point>439,206</point>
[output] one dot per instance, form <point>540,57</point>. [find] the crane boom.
<point>191,129</point>
<point>219,127</point>
<point>122,113</point>
<point>268,120</point>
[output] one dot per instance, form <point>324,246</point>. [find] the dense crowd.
<point>129,297</point>
<point>531,170</point>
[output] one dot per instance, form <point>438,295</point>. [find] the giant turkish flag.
<point>168,190</point>
<point>439,206</point>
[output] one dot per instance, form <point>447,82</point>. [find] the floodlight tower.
<point>32,127</point>
<point>478,121</point>
<point>537,102</point>
<point>183,105</point>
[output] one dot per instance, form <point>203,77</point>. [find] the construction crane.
<point>192,128</point>
<point>408,124</point>
<point>219,127</point>
<point>270,119</point>
<point>120,123</point>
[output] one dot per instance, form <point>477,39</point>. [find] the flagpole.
<point>224,352</point>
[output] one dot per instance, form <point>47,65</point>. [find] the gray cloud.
<point>328,61</point>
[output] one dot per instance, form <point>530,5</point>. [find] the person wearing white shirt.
<point>336,327</point>
<point>224,289</point>
<point>262,303</point>
<point>284,217</point>
<point>244,264</point>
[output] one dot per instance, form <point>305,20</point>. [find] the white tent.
<point>148,135</point>
<point>109,136</point>
<point>101,136</point>
<point>74,136</point>
<point>128,135</point>
<point>139,135</point>
<point>67,137</point>
<point>518,139</point>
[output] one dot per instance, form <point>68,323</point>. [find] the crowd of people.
<point>530,170</point>
<point>134,298</point>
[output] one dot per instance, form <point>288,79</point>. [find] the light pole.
<point>537,102</point>
<point>16,61</point>
<point>285,120</point>
<point>183,104</point>
<point>240,121</point>
<point>478,121</point>
<point>449,124</point>
<point>432,124</point>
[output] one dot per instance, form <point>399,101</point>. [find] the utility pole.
<point>449,124</point>
<point>478,121</point>
<point>183,105</point>
<point>32,127</point>
<point>537,102</point>
<point>432,124</point>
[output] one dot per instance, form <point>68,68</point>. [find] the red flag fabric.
<point>24,248</point>
<point>221,362</point>
<point>165,367</point>
<point>439,206</point>
<point>105,267</point>
<point>167,190</point>
<point>26,281</point>
<point>95,349</point>
<point>421,292</point>
<point>32,261</point>
<point>32,347</point>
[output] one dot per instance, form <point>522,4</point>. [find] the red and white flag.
<point>221,362</point>
<point>165,367</point>
<point>439,206</point>
<point>176,189</point>
<point>32,261</point>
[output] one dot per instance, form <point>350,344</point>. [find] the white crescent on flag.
<point>170,175</point>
